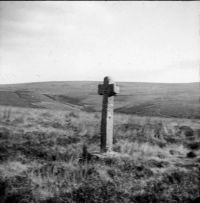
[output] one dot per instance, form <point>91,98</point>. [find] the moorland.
<point>181,100</point>
<point>45,126</point>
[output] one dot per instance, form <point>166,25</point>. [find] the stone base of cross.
<point>108,89</point>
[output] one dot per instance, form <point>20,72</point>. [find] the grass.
<point>40,153</point>
<point>144,99</point>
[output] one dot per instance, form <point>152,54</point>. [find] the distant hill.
<point>146,99</point>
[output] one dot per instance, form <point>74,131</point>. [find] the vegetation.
<point>41,158</point>
<point>144,99</point>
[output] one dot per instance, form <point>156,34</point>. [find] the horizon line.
<point>58,81</point>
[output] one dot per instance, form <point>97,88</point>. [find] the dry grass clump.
<point>40,159</point>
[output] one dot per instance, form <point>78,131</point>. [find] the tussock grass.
<point>40,159</point>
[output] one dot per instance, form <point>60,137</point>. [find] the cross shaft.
<point>108,89</point>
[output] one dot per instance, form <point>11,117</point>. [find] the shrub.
<point>191,154</point>
<point>74,114</point>
<point>194,145</point>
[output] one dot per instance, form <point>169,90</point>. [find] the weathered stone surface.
<point>108,89</point>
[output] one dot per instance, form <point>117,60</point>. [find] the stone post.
<point>108,89</point>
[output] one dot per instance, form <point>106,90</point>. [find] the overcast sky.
<point>130,41</point>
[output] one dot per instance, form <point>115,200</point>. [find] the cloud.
<point>87,40</point>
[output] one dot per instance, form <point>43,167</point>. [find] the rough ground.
<point>40,158</point>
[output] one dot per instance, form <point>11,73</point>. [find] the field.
<point>144,99</point>
<point>41,158</point>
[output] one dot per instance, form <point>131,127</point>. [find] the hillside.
<point>145,99</point>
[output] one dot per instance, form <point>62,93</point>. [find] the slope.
<point>148,99</point>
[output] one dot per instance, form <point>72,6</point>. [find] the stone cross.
<point>108,89</point>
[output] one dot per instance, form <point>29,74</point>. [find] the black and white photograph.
<point>99,101</point>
